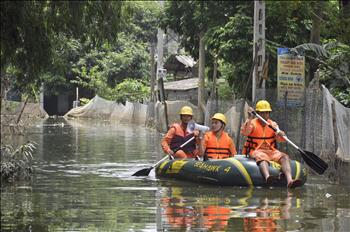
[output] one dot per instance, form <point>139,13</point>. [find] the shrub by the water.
<point>16,163</point>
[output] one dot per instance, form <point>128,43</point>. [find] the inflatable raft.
<point>237,171</point>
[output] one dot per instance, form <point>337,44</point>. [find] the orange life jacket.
<point>258,136</point>
<point>218,148</point>
<point>180,137</point>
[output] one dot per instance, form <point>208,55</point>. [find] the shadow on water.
<point>83,182</point>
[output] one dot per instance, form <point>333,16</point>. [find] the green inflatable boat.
<point>237,171</point>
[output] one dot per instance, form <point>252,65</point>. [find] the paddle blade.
<point>314,162</point>
<point>143,172</point>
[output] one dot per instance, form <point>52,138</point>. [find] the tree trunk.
<point>201,76</point>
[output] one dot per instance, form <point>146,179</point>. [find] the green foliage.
<point>225,92</point>
<point>335,71</point>
<point>16,162</point>
<point>232,43</point>
<point>191,18</point>
<point>98,44</point>
<point>131,90</point>
<point>143,25</point>
<point>343,96</point>
<point>230,33</point>
<point>229,73</point>
<point>288,23</point>
<point>29,28</point>
<point>101,69</point>
<point>66,52</point>
<point>128,90</point>
<point>228,30</point>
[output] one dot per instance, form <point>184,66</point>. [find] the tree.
<point>102,68</point>
<point>28,29</point>
<point>233,44</point>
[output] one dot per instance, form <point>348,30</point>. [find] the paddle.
<point>315,162</point>
<point>146,171</point>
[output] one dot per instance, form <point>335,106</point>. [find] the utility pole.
<point>259,41</point>
<point>153,72</point>
<point>160,44</point>
<point>160,49</point>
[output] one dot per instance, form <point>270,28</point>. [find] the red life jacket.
<point>218,149</point>
<point>258,136</point>
<point>180,137</point>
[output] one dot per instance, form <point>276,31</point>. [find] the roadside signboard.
<point>290,77</point>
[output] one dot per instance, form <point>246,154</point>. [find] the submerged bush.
<point>16,163</point>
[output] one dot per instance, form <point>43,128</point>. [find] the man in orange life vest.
<point>178,135</point>
<point>261,144</point>
<point>217,144</point>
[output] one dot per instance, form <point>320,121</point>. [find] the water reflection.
<point>184,214</point>
<point>245,210</point>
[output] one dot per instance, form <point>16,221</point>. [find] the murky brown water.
<point>83,182</point>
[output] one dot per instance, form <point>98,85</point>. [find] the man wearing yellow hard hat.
<point>261,144</point>
<point>217,144</point>
<point>178,135</point>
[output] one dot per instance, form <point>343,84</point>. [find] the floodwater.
<point>83,182</point>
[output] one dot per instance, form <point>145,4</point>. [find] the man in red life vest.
<point>178,135</point>
<point>261,144</point>
<point>217,144</point>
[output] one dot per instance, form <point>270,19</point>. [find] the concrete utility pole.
<point>259,40</point>
<point>160,48</point>
<point>160,44</point>
<point>153,72</point>
<point>201,78</point>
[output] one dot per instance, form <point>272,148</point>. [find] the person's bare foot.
<point>270,179</point>
<point>294,184</point>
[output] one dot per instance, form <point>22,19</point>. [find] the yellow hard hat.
<point>263,106</point>
<point>186,110</point>
<point>220,117</point>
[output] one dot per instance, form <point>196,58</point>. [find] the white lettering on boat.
<point>207,167</point>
